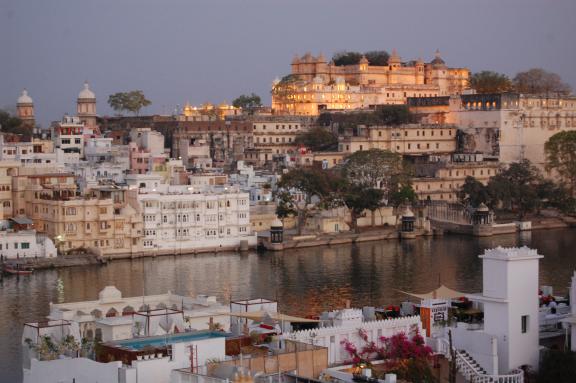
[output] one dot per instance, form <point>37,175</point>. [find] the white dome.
<point>408,213</point>
<point>24,98</point>
<point>86,92</point>
<point>277,223</point>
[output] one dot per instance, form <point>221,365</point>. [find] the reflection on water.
<point>304,281</point>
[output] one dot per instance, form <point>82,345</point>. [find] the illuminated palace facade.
<point>315,85</point>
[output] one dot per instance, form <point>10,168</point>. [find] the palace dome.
<point>437,59</point>
<point>25,98</point>
<point>86,93</point>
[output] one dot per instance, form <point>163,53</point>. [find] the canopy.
<point>441,292</point>
<point>259,316</point>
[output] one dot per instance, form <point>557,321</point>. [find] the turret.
<point>25,109</point>
<point>86,106</point>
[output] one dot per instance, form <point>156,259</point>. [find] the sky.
<point>196,51</point>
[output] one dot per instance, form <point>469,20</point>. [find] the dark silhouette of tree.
<point>377,58</point>
<point>346,58</point>
<point>490,82</point>
<point>560,152</point>
<point>318,139</point>
<point>539,81</point>
<point>131,101</point>
<point>247,102</point>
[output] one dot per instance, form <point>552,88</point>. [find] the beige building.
<point>509,126</point>
<point>102,221</point>
<point>408,139</point>
<point>442,181</point>
<point>8,170</point>
<point>315,85</point>
<point>274,137</point>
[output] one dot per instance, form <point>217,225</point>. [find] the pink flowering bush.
<point>407,357</point>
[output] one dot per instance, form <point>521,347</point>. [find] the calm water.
<point>303,281</point>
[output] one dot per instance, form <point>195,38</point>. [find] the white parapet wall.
<point>80,370</point>
<point>331,337</point>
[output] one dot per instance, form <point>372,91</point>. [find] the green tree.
<point>539,81</point>
<point>516,188</point>
<point>358,199</point>
<point>558,367</point>
<point>404,193</point>
<point>346,58</point>
<point>560,152</point>
<point>131,101</point>
<point>319,190</point>
<point>247,102</point>
<point>490,82</point>
<point>377,58</point>
<point>318,139</point>
<point>11,124</point>
<point>474,192</point>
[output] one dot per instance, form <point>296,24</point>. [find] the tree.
<point>247,102</point>
<point>539,81</point>
<point>374,168</point>
<point>319,190</point>
<point>560,152</point>
<point>318,139</point>
<point>404,193</point>
<point>377,58</point>
<point>131,101</point>
<point>474,192</point>
<point>346,58</point>
<point>515,188</point>
<point>490,82</point>
<point>11,124</point>
<point>358,199</point>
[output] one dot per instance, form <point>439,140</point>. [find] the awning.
<point>258,316</point>
<point>22,220</point>
<point>441,292</point>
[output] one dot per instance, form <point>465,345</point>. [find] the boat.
<point>18,270</point>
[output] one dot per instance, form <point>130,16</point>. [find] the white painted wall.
<point>331,337</point>
<point>65,370</point>
<point>26,244</point>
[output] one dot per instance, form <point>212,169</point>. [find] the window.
<point>524,320</point>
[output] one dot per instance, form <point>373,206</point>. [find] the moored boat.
<point>18,270</point>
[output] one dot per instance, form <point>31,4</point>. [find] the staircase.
<point>471,370</point>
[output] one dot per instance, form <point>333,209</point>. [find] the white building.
<point>509,337</point>
<point>346,325</point>
<point>148,139</point>
<point>179,219</point>
<point>68,135</point>
<point>98,149</point>
<point>106,317</point>
<point>25,244</point>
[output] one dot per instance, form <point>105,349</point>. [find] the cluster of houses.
<point>174,338</point>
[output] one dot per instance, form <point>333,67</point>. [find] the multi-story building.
<point>315,85</point>
<point>69,135</point>
<point>8,170</point>
<point>274,137</point>
<point>101,221</point>
<point>442,180</point>
<point>509,126</point>
<point>407,139</point>
<point>179,219</point>
<point>227,139</point>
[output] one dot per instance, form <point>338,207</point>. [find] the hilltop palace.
<point>315,85</point>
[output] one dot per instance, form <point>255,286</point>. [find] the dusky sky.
<point>180,51</point>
